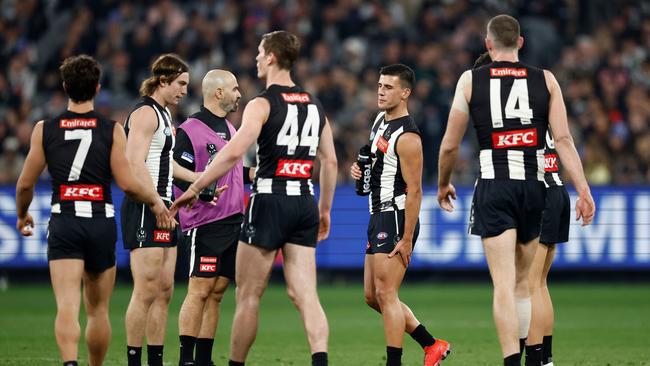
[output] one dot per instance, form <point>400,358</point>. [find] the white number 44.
<point>288,135</point>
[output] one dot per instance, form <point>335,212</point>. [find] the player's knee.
<point>216,296</point>
<point>384,295</point>
<point>371,299</point>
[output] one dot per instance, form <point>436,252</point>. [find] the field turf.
<point>596,324</point>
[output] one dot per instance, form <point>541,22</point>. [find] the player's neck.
<point>279,77</point>
<point>505,56</point>
<point>396,113</point>
<point>83,107</point>
<point>158,98</point>
<point>214,108</point>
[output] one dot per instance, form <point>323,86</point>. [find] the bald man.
<point>211,229</point>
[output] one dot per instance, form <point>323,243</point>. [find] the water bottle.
<point>207,194</point>
<point>365,164</point>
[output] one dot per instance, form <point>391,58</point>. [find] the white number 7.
<point>86,137</point>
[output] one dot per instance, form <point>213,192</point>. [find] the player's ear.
<point>98,88</point>
<point>520,42</point>
<point>406,92</point>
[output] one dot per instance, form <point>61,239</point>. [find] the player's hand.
<point>445,195</point>
<point>404,248</point>
<point>25,225</point>
<point>323,226</point>
<point>218,193</point>
<point>164,220</point>
<point>187,199</point>
<point>355,171</point>
<point>585,209</point>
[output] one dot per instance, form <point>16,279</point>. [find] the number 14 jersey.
<point>78,155</point>
<point>288,142</point>
<point>509,107</point>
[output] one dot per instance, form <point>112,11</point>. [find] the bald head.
<point>220,89</point>
<point>215,79</point>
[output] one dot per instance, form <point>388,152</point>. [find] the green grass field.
<point>595,325</point>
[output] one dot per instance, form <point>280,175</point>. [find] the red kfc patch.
<point>294,168</point>
<point>162,236</point>
<point>382,144</point>
<point>516,138</point>
<point>81,192</point>
<point>550,163</point>
<point>207,267</point>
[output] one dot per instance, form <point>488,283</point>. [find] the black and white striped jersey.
<point>387,186</point>
<point>288,142</point>
<point>509,107</point>
<point>77,150</point>
<point>551,163</point>
<point>159,159</point>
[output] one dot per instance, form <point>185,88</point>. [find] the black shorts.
<point>556,216</point>
<point>499,205</point>
<point>139,227</point>
<point>385,229</point>
<point>212,250</point>
<point>272,220</point>
<point>90,239</point>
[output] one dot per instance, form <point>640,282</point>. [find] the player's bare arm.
<point>142,125</point>
<point>585,207</point>
<point>32,169</point>
<point>184,174</point>
<point>456,127</point>
<point>253,118</point>
<point>128,183</point>
<point>409,150</point>
<point>328,169</point>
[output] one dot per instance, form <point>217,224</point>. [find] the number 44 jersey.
<point>509,107</point>
<point>288,142</point>
<point>78,155</point>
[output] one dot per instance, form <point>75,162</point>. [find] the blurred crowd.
<point>598,49</point>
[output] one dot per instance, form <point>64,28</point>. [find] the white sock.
<point>523,314</point>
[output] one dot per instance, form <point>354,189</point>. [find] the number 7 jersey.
<point>78,155</point>
<point>509,107</point>
<point>288,142</point>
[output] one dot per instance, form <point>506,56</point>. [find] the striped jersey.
<point>387,186</point>
<point>159,158</point>
<point>509,107</point>
<point>551,163</point>
<point>77,150</point>
<point>288,142</point>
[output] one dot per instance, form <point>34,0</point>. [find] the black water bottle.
<point>207,194</point>
<point>365,164</point>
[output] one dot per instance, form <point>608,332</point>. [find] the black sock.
<point>134,355</point>
<point>422,336</point>
<point>235,363</point>
<point>547,348</point>
<point>534,355</point>
<point>70,363</point>
<point>187,348</point>
<point>522,345</point>
<point>155,355</point>
<point>393,356</point>
<point>512,360</point>
<point>319,359</point>
<point>203,351</point>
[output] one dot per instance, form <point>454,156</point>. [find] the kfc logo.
<point>207,267</point>
<point>517,138</point>
<point>294,168</point>
<point>508,71</point>
<point>78,123</point>
<point>81,192</point>
<point>296,97</point>
<point>550,163</point>
<point>161,236</point>
<point>382,144</point>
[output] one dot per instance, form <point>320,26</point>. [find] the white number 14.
<point>518,96</point>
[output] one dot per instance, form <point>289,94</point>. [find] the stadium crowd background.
<point>598,49</point>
